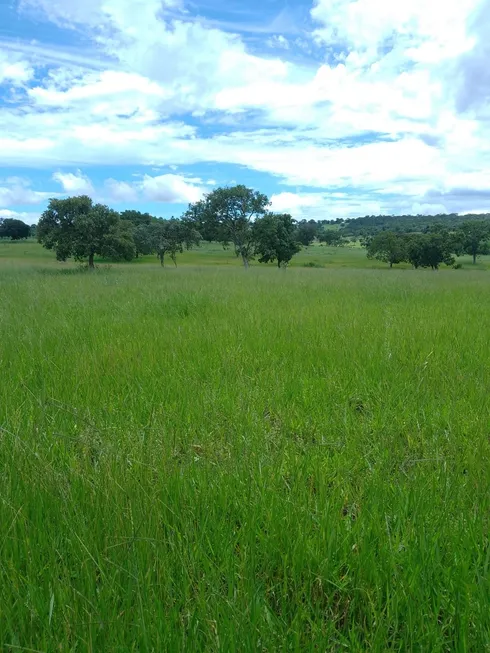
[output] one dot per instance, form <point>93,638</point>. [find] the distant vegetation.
<point>240,218</point>
<point>14,229</point>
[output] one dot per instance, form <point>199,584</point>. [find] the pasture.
<point>208,459</point>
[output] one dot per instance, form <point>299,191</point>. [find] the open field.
<point>208,459</point>
<point>31,253</point>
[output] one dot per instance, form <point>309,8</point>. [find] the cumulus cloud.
<point>74,183</point>
<point>16,191</point>
<point>13,69</point>
<point>25,216</point>
<point>167,188</point>
<point>120,191</point>
<point>397,106</point>
<point>171,188</point>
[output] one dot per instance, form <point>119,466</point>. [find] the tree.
<point>202,221</point>
<point>388,247</point>
<point>231,210</point>
<point>275,238</point>
<point>137,220</point>
<point>472,238</point>
<point>307,232</point>
<point>430,250</point>
<point>170,237</point>
<point>75,227</point>
<point>14,229</point>
<point>332,237</point>
<point>136,217</point>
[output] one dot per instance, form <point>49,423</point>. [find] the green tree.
<point>136,217</point>
<point>137,220</point>
<point>169,237</point>
<point>275,238</point>
<point>430,250</point>
<point>472,238</point>
<point>332,237</point>
<point>231,210</point>
<point>203,221</point>
<point>388,247</point>
<point>14,229</point>
<point>307,231</point>
<point>75,227</point>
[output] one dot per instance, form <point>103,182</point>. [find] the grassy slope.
<point>208,459</point>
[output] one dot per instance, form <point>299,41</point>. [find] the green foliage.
<point>229,213</point>
<point>168,237</point>
<point>472,238</point>
<point>371,225</point>
<point>307,231</point>
<point>275,238</point>
<point>387,247</point>
<point>75,227</point>
<point>14,229</point>
<point>430,250</point>
<point>331,237</point>
<point>137,218</point>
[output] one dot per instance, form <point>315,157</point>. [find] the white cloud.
<point>13,69</point>
<point>25,216</point>
<point>171,188</point>
<point>167,188</point>
<point>17,191</point>
<point>74,183</point>
<point>120,191</point>
<point>399,105</point>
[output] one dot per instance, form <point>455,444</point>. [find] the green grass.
<point>208,459</point>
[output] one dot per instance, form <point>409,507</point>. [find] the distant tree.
<point>203,221</point>
<point>332,237</point>
<point>14,229</point>
<point>75,227</point>
<point>388,247</point>
<point>169,237</point>
<point>142,237</point>
<point>232,211</point>
<point>137,220</point>
<point>472,238</point>
<point>136,217</point>
<point>307,231</point>
<point>275,238</point>
<point>430,250</point>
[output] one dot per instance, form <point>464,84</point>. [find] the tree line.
<point>431,248</point>
<point>236,216</point>
<point>240,217</point>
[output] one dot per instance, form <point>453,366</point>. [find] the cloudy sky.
<point>335,108</point>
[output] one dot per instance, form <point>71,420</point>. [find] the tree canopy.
<point>275,238</point>
<point>472,238</point>
<point>14,229</point>
<point>387,247</point>
<point>230,211</point>
<point>76,227</point>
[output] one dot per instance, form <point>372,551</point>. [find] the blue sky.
<point>334,108</point>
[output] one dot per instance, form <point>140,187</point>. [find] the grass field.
<point>208,459</point>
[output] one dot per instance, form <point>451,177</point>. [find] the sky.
<point>333,108</point>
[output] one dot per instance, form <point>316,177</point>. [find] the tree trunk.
<point>474,259</point>
<point>391,264</point>
<point>161,256</point>
<point>91,261</point>
<point>245,262</point>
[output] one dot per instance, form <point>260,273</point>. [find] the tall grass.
<point>204,459</point>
